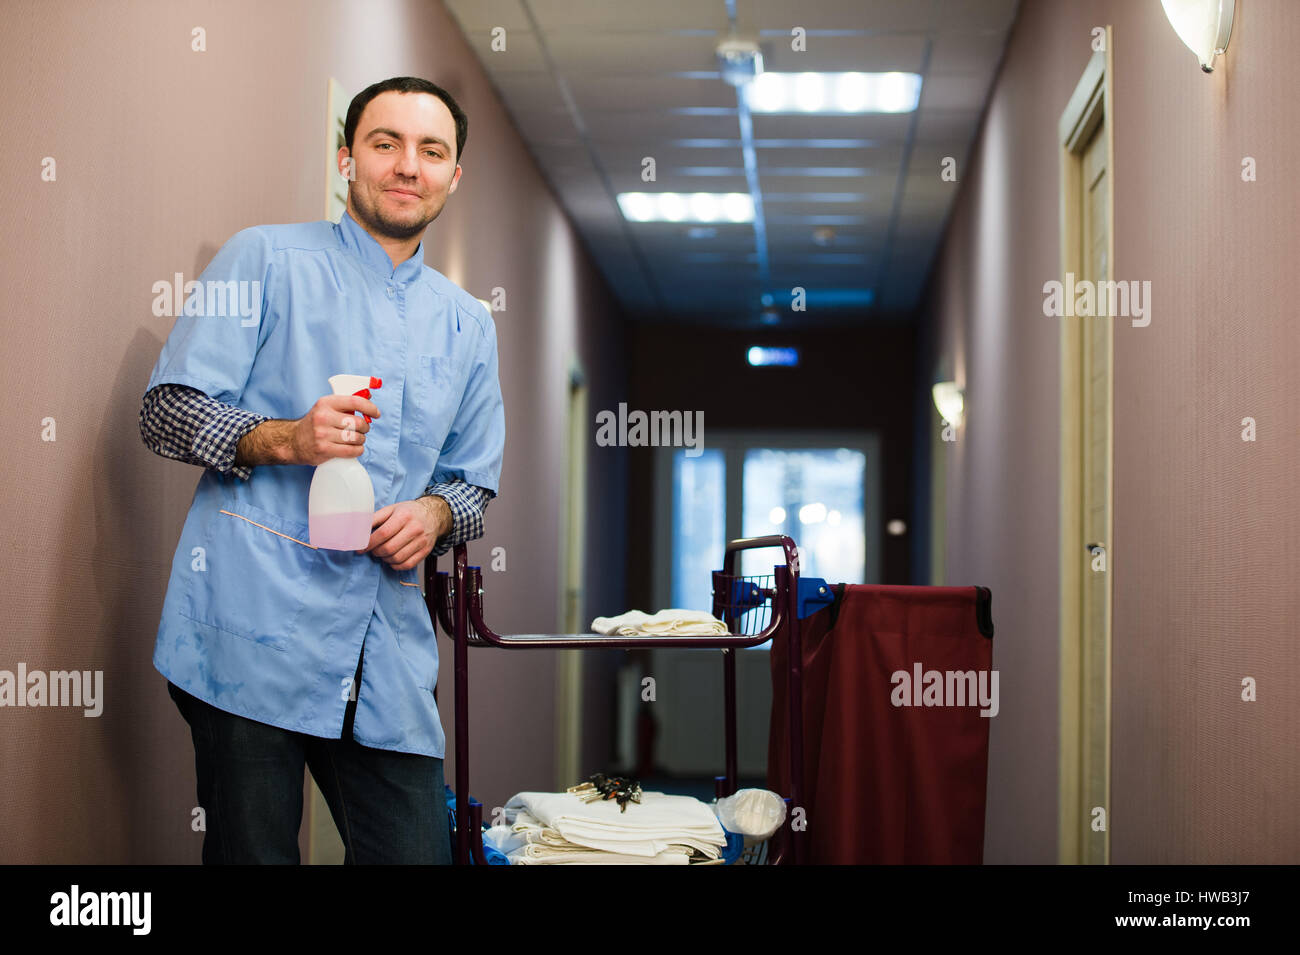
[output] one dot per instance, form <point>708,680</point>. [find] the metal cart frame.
<point>455,602</point>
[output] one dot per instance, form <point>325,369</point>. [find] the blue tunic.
<point>256,621</point>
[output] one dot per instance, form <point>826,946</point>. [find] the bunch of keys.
<point>600,786</point>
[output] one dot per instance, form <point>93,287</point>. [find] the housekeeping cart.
<point>755,609</point>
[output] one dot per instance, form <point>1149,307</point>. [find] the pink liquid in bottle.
<point>340,531</point>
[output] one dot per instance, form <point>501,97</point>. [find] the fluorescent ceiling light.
<point>738,206</point>
<point>671,206</point>
<point>637,206</point>
<point>810,92</point>
<point>704,207</point>
<point>834,93</point>
<point>686,207</point>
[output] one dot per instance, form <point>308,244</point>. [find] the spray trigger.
<point>365,393</point>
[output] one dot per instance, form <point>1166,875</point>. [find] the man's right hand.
<point>331,429</point>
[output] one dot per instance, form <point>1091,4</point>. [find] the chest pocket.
<point>436,394</point>
<point>255,574</point>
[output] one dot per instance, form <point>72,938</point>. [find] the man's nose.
<point>408,164</point>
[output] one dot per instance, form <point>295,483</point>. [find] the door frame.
<point>1085,695</point>
<point>572,564</point>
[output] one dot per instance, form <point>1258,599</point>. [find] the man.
<point>279,654</point>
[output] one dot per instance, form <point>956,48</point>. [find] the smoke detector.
<point>739,60</point>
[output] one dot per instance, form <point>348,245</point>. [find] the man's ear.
<point>454,180</point>
<point>347,165</point>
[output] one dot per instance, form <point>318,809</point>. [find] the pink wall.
<point>1206,526</point>
<point>162,154</point>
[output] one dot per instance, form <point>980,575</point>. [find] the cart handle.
<point>752,543</point>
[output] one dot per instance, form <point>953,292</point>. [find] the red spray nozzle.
<point>365,393</point>
<point>376,382</point>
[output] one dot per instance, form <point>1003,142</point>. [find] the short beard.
<point>386,227</point>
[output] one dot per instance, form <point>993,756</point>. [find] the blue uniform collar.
<point>363,245</point>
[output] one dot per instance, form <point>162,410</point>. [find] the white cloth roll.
<point>682,623</point>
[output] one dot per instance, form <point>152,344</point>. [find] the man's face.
<point>404,162</point>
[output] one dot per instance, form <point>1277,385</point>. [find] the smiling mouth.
<point>404,192</point>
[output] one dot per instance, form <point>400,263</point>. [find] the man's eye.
<point>382,145</point>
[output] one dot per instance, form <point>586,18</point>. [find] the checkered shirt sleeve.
<point>468,502</point>
<point>184,424</point>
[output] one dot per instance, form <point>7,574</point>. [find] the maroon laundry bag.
<point>886,783</point>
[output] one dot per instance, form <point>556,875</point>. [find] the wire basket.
<point>743,603</point>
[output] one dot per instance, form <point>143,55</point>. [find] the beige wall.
<point>1206,526</point>
<point>162,154</point>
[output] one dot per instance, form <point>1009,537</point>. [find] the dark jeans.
<point>389,807</point>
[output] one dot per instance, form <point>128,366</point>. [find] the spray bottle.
<point>341,502</point>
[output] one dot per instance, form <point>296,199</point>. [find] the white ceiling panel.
<point>878,129</point>
<point>976,14</point>
<point>961,51</point>
<point>523,51</point>
<point>547,127</point>
<point>863,53</point>
<point>527,90</point>
<point>882,160</point>
<point>559,16</point>
<point>633,92</point>
<point>955,91</point>
<point>873,15</point>
<point>586,52</point>
<point>946,126</point>
<point>486,14</point>
<point>659,124</point>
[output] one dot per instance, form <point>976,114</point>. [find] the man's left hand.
<point>404,533</point>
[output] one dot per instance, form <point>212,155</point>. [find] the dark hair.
<point>405,84</point>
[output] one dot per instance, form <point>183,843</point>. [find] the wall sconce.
<point>950,402</point>
<point>1203,25</point>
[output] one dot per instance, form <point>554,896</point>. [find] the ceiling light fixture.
<point>686,207</point>
<point>740,61</point>
<point>834,93</point>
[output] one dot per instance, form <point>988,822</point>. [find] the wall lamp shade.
<point>1203,25</point>
<point>948,399</point>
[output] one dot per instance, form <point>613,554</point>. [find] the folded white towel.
<point>509,839</point>
<point>538,834</point>
<point>592,857</point>
<point>520,819</point>
<point>646,829</point>
<point>682,623</point>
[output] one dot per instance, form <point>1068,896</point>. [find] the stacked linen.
<point>560,829</point>
<point>675,623</point>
